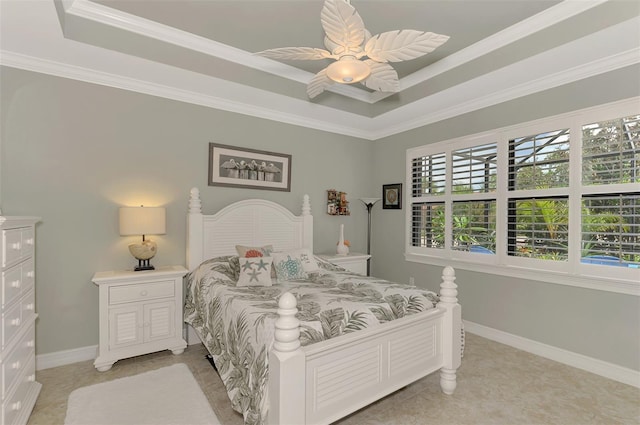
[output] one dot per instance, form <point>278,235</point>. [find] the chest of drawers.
<point>18,383</point>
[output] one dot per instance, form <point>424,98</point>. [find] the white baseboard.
<point>61,358</point>
<point>599,367</point>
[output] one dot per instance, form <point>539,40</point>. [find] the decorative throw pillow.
<point>307,259</point>
<point>255,271</point>
<point>288,267</point>
<point>254,251</point>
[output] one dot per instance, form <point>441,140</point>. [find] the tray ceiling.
<point>202,52</point>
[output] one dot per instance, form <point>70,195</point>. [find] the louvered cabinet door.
<point>125,326</point>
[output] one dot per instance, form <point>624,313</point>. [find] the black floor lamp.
<point>369,203</point>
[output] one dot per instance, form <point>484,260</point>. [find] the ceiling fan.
<point>359,56</point>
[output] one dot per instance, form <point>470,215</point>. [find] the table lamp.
<point>143,221</point>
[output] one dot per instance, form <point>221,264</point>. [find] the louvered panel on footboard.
<point>340,381</point>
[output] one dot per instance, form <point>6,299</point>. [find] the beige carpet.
<point>169,395</point>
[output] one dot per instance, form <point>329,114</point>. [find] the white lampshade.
<point>348,70</point>
<point>142,221</point>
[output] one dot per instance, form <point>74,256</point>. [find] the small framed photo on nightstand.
<point>392,196</point>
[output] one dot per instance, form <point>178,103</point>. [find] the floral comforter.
<point>237,323</point>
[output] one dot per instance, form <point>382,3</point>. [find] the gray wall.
<point>597,324</point>
<point>73,152</point>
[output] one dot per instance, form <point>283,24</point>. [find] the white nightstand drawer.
<point>140,292</point>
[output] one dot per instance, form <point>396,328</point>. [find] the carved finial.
<point>195,206</point>
<point>287,332</point>
<point>306,205</point>
<point>448,291</point>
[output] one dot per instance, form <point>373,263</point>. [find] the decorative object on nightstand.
<point>369,203</point>
<point>140,313</point>
<point>342,248</point>
<point>143,221</point>
<point>19,389</point>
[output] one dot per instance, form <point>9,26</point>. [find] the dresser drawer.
<point>28,304</point>
<point>16,406</point>
<point>145,291</point>
<point>28,275</point>
<point>11,322</point>
<point>11,284</point>
<point>18,360</point>
<point>17,244</point>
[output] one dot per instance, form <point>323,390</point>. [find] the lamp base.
<point>143,265</point>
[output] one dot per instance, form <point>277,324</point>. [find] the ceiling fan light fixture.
<point>348,70</point>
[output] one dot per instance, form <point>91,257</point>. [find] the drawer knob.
<point>31,378</point>
<point>16,406</point>
<point>15,365</point>
<point>16,246</point>
<point>29,307</point>
<point>15,322</point>
<point>15,284</point>
<point>31,344</point>
<point>144,293</point>
<point>29,241</point>
<point>31,273</point>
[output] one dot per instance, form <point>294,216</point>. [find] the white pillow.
<point>309,263</point>
<point>255,271</point>
<point>288,267</point>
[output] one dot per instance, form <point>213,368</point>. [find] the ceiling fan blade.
<point>382,78</point>
<point>402,45</point>
<point>295,53</point>
<point>343,25</point>
<point>319,83</point>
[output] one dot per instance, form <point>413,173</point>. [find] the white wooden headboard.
<point>252,222</point>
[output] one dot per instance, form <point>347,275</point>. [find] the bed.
<point>306,383</point>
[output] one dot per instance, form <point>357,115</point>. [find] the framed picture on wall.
<point>231,166</point>
<point>392,196</point>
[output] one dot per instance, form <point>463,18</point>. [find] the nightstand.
<point>140,313</point>
<point>354,262</point>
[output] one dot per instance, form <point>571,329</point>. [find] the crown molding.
<point>115,18</point>
<point>46,51</point>
<point>583,71</point>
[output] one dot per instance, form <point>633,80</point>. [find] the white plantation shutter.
<point>538,228</point>
<point>539,161</point>
<point>474,169</point>
<point>611,228</point>
<point>474,225</point>
<point>427,224</point>
<point>611,151</point>
<point>428,174</point>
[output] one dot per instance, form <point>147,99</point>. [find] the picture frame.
<point>392,196</point>
<point>232,166</point>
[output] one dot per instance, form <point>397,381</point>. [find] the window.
<point>558,199</point>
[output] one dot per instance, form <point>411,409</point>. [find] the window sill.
<point>609,284</point>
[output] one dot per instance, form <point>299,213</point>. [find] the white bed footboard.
<point>326,381</point>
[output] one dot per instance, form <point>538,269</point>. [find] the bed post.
<point>194,230</point>
<point>451,331</point>
<point>287,367</point>
<point>308,223</point>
